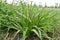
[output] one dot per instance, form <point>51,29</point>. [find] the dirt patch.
<point>50,34</point>
<point>33,38</point>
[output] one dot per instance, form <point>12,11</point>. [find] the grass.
<point>28,20</point>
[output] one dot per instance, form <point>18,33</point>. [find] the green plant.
<point>27,19</point>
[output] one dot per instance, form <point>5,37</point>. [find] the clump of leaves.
<point>27,19</point>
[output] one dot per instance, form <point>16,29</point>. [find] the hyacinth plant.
<point>27,19</point>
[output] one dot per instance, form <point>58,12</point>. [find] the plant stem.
<point>15,34</point>
<point>7,34</point>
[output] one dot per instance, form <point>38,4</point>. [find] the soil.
<point>32,37</point>
<point>35,38</point>
<point>50,34</point>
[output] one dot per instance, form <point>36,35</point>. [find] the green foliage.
<point>27,19</point>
